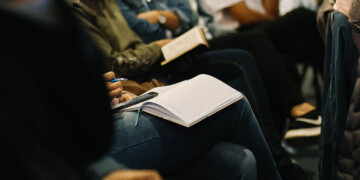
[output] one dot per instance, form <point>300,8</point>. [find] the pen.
<point>118,79</point>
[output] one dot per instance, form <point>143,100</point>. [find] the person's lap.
<point>158,144</point>
<point>237,68</point>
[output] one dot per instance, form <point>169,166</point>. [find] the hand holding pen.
<point>113,85</point>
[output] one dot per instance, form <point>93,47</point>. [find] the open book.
<point>184,43</point>
<point>190,101</point>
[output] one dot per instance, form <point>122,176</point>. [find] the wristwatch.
<point>162,19</point>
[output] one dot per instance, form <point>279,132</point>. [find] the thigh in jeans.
<point>158,144</point>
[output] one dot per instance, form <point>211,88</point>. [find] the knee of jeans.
<point>244,160</point>
<point>246,164</point>
<point>240,54</point>
<point>244,60</point>
<point>240,159</point>
<point>249,161</point>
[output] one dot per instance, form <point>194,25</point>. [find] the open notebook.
<point>190,101</point>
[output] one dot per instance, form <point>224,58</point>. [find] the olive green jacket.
<point>125,53</point>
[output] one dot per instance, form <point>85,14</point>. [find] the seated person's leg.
<point>282,91</point>
<point>224,161</point>
<point>295,34</point>
<point>284,96</point>
<point>158,144</point>
<point>238,69</point>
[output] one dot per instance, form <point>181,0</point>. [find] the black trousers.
<point>283,93</point>
<point>274,44</point>
<point>295,35</point>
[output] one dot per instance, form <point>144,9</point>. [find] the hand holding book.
<point>163,42</point>
<point>184,43</point>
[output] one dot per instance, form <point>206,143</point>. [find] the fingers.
<point>114,101</point>
<point>115,93</point>
<point>163,42</point>
<point>125,97</point>
<point>113,86</point>
<point>114,89</point>
<point>109,76</point>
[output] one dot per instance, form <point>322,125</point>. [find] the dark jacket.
<point>339,78</point>
<point>125,53</point>
<point>349,160</point>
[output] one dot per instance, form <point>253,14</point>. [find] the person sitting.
<point>179,152</point>
<point>63,115</point>
<point>261,48</point>
<point>83,10</point>
<point>285,32</point>
<point>286,102</point>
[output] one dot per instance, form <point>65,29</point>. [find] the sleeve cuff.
<point>157,50</point>
<point>184,20</point>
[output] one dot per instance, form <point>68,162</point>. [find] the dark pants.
<point>238,69</point>
<point>295,35</point>
<point>281,90</point>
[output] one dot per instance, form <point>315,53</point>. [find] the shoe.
<point>303,137</point>
<point>313,117</point>
<point>300,129</point>
<point>292,171</point>
<point>304,130</point>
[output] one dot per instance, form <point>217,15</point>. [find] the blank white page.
<point>196,96</point>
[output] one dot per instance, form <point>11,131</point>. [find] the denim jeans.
<point>339,78</point>
<point>169,148</point>
<point>237,68</point>
<point>237,163</point>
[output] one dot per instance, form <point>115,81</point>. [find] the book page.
<point>183,44</point>
<point>160,90</point>
<point>190,101</point>
<point>197,97</point>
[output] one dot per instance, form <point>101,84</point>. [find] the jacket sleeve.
<point>184,12</point>
<point>148,32</point>
<point>151,32</point>
<point>130,62</point>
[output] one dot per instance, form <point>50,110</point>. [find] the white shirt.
<point>217,8</point>
<point>286,6</point>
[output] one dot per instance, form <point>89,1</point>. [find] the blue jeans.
<point>339,79</point>
<point>169,148</point>
<point>237,163</point>
<point>237,68</point>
